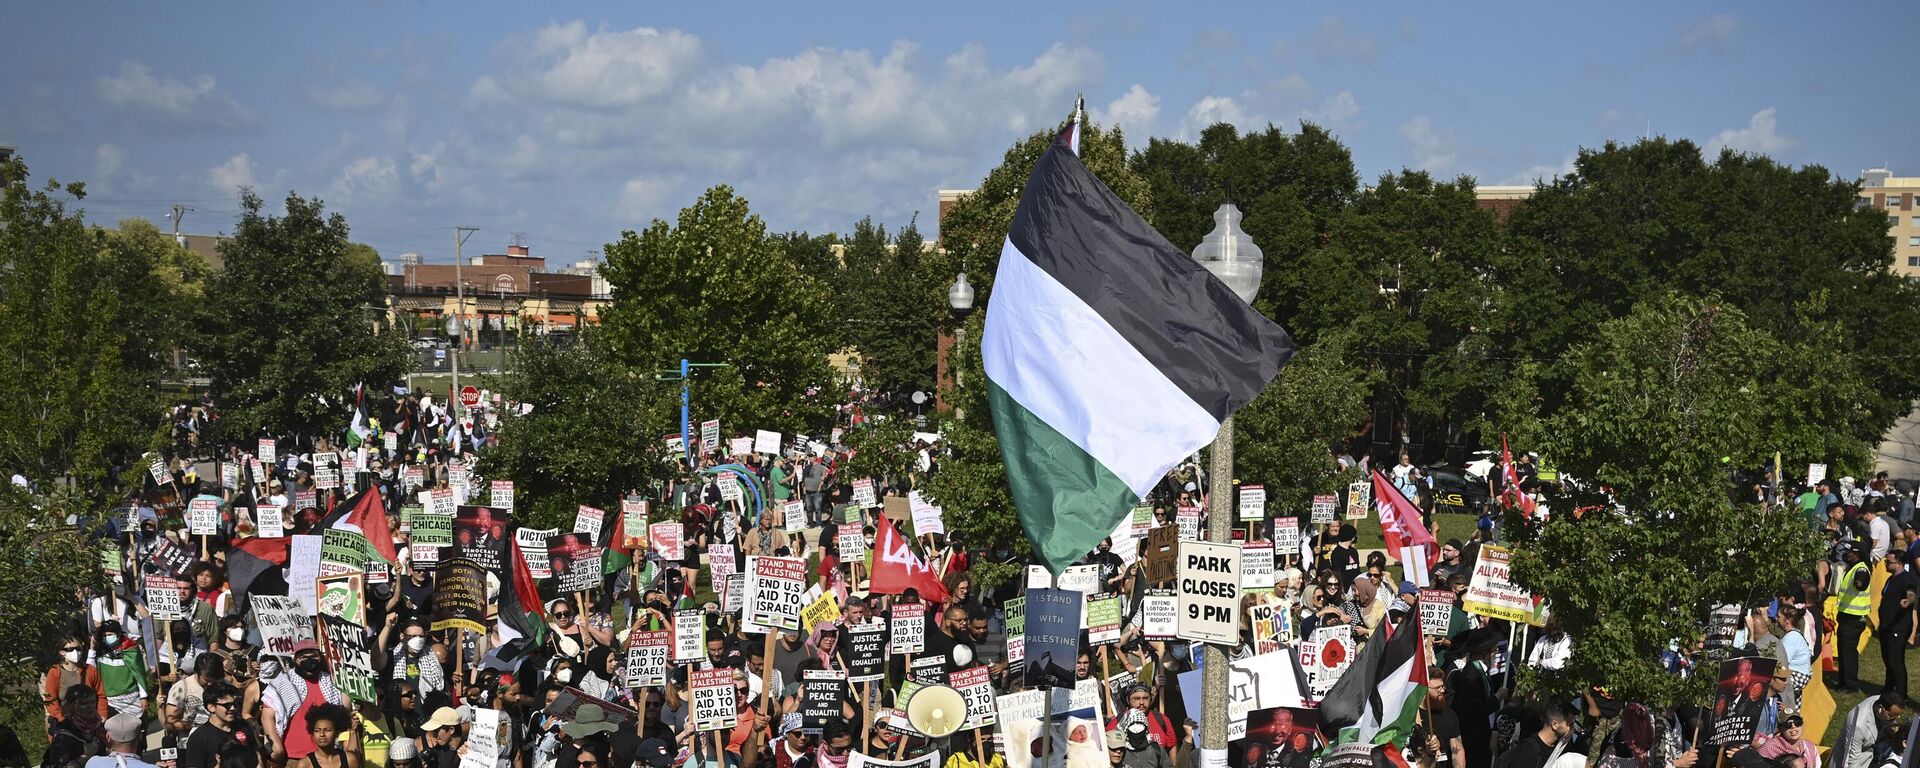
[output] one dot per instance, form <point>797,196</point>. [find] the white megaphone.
<point>936,711</point>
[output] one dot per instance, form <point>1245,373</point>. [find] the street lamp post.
<point>1230,255</point>
<point>960,299</point>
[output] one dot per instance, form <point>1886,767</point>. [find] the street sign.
<point>470,396</point>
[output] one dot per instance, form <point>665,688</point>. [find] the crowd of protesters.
<point>205,689</point>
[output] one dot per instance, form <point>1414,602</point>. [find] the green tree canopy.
<point>894,302</point>
<point>90,323</point>
<point>289,322</point>
<point>715,287</point>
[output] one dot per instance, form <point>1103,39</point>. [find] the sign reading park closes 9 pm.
<point>1209,592</point>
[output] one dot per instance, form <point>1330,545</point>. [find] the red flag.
<point>1512,494</point>
<point>896,567</point>
<point>1407,539</point>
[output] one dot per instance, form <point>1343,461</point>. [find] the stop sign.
<point>470,396</point>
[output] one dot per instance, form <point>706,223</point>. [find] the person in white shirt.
<point>1554,648</point>
<point>1880,530</point>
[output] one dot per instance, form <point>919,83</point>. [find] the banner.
<point>1052,636</point>
<point>1209,592</point>
<point>459,596</point>
<point>778,586</point>
<point>713,701</point>
<point>533,550</point>
<point>480,535</point>
<point>282,622</point>
<point>1492,592</point>
<point>349,658</point>
<point>575,562</point>
<point>1740,698</point>
<point>647,652</point>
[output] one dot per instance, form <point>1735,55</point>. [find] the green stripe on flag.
<point>1068,501</point>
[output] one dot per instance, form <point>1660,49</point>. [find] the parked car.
<point>1457,492</point>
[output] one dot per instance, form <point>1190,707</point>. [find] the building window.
<point>1893,221</point>
<point>1913,261</point>
<point>1896,201</point>
<point>1913,240</point>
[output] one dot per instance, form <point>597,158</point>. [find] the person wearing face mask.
<point>123,669</point>
<point>71,670</point>
<point>415,658</point>
<point>288,698</point>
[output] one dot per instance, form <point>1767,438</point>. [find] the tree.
<point>43,561</point>
<point>714,287</point>
<point>87,333</point>
<point>973,477</point>
<point>592,435</point>
<point>1663,402</point>
<point>1286,438</point>
<point>893,301</point>
<point>290,322</point>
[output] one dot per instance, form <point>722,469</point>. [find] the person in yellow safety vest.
<point>1856,601</point>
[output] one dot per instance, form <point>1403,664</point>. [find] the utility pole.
<point>179,212</point>
<point>685,377</point>
<point>460,235</point>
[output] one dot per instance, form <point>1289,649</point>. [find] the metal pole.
<point>954,356</point>
<point>686,440</point>
<point>1213,723</point>
<point>460,235</point>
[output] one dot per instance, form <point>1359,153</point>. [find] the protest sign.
<point>349,658</point>
<point>268,450</point>
<point>793,517</point>
<point>282,623</point>
<point>271,521</point>
<point>1492,593</point>
<point>344,597</point>
<point>500,494</point>
<point>689,636</point>
<point>378,572</point>
<point>1162,559</point>
<point>766,442</point>
<point>732,589</point>
<point>589,520</point>
<point>713,705</point>
<point>305,499</point>
<point>1289,735</point>
<point>1015,631</point>
<point>1815,474</point>
<point>303,572</point>
<point>533,550</point>
<point>203,515</point>
<point>824,609</point>
<point>633,520</point>
<point>1187,521</point>
<point>927,669</point>
<point>326,470</point>
<point>415,477</point>
<point>111,558</point>
<point>575,562</point>
<point>863,760</point>
<point>1722,623</point>
<point>740,446</point>
<point>1141,518</point>
<point>479,534</point>
<point>1253,503</point>
<point>778,585</point>
<point>863,496</point>
<point>166,599</point>
<point>849,514</point>
<point>1256,567</point>
<point>1052,636</point>
<point>664,539</point>
<point>342,552</point>
<point>390,441</point>
<point>1741,698</point>
<point>230,475</point>
<point>1103,620</point>
<point>710,435</point>
<point>158,469</point>
<point>647,652</point>
<point>926,515</point>
<point>1209,592</point>
<point>1084,579</point>
<point>564,706</point>
<point>721,561</point>
<point>729,485</point>
<point>975,685</point>
<point>1160,614</point>
<point>459,596</point>
<point>1359,499</point>
<point>1326,656</point>
<point>258,471</point>
<point>676,445</point>
<point>820,693</point>
<point>483,744</point>
<point>909,624</point>
<point>852,545</point>
<point>867,651</point>
<point>1436,611</point>
<point>1262,624</point>
<point>459,477</point>
<point>1286,538</point>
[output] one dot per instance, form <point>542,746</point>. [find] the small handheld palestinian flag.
<point>1110,355</point>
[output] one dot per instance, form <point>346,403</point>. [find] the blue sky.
<point>572,121</point>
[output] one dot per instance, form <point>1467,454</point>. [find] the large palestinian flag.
<point>1377,699</point>
<point>1110,356</point>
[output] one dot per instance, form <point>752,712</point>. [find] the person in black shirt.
<point>1472,699</point>
<point>223,729</point>
<point>1899,619</point>
<point>1535,751</point>
<point>1442,748</point>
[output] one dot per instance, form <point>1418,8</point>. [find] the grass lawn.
<point>1872,675</point>
<point>1446,526</point>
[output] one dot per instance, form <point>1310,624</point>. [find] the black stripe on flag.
<point>1182,319</point>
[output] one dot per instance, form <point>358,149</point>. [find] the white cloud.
<point>195,103</point>
<point>1336,110</point>
<point>1282,102</point>
<point>603,69</point>
<point>236,172</point>
<point>1761,136</point>
<point>347,97</point>
<point>1431,150</point>
<point>369,178</point>
<point>1542,172</point>
<point>1134,111</point>
<point>1715,31</point>
<point>645,199</point>
<point>108,159</point>
<point>1210,110</point>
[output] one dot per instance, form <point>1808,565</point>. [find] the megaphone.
<point>936,710</point>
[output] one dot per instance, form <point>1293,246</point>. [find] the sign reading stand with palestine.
<point>1436,611</point>
<point>203,515</point>
<point>713,703</point>
<point>647,652</point>
<point>589,521</point>
<point>909,622</point>
<point>1209,590</point>
<point>500,494</point>
<point>1323,506</point>
<point>778,586</point>
<point>166,599</point>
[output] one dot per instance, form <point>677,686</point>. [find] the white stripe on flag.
<point>1067,365</point>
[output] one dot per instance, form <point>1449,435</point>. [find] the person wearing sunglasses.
<point>72,669</point>
<point>224,727</point>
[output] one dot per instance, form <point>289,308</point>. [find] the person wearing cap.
<point>440,739</point>
<point>123,745</point>
<point>403,752</point>
<point>1139,700</point>
<point>287,698</point>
